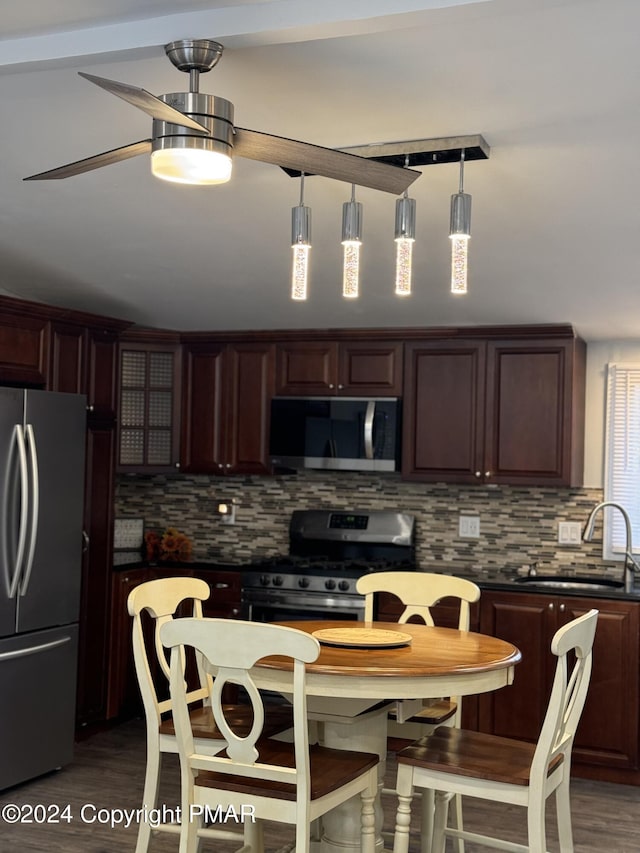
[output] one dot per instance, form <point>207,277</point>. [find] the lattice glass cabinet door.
<point>149,410</point>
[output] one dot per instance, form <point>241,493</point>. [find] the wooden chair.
<point>290,783</point>
<point>419,592</point>
<point>501,769</point>
<point>161,599</point>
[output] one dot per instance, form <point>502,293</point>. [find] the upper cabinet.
<point>495,411</point>
<point>226,402</point>
<point>149,406</point>
<point>328,368</point>
<point>24,342</point>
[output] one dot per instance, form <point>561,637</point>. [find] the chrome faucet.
<point>630,565</point>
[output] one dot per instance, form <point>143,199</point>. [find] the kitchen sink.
<point>559,582</point>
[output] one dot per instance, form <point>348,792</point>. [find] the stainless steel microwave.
<point>335,433</point>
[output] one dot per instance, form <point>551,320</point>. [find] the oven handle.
<point>368,429</point>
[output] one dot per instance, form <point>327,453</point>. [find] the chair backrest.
<point>229,649</point>
<point>161,599</point>
<point>419,591</point>
<point>568,693</point>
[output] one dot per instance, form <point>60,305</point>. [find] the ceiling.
<point>552,85</point>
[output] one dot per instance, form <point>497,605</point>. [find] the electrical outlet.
<point>469,527</point>
<point>569,533</point>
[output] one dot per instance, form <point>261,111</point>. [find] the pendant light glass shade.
<point>405,238</point>
<point>351,242</point>
<point>459,233</point>
<point>301,243</point>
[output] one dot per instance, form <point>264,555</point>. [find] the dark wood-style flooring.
<point>107,774</point>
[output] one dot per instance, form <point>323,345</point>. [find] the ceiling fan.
<point>193,137</point>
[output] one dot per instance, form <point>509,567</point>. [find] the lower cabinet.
<point>123,695</point>
<point>607,737</point>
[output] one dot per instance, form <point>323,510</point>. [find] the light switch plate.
<point>569,533</point>
<point>469,527</point>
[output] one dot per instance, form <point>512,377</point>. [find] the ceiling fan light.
<point>351,242</point>
<point>405,237</point>
<point>191,166</point>
<point>300,243</point>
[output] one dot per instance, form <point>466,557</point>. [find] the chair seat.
<point>474,754</point>
<point>329,770</point>
<point>278,718</point>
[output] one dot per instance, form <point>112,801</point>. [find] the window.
<point>622,457</point>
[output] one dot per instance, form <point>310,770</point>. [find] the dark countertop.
<point>165,564</point>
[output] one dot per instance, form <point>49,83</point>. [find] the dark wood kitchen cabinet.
<point>607,737</point>
<point>494,411</point>
<point>348,368</point>
<point>149,404</point>
<point>24,344</point>
<point>226,407</point>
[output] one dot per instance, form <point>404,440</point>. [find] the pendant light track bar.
<point>425,152</point>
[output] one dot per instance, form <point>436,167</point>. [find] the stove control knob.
<point>330,584</point>
<point>264,580</point>
<point>278,580</point>
<point>303,582</point>
<point>343,586</point>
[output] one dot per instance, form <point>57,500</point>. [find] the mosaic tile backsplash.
<point>518,526</point>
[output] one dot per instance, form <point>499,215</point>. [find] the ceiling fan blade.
<point>95,162</point>
<point>316,160</point>
<point>145,101</point>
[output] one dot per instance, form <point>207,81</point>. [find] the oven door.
<point>271,606</point>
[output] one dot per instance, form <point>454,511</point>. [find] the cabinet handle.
<point>331,385</point>
<point>478,474</point>
<point>177,464</point>
<point>340,387</point>
<point>222,586</point>
<point>487,473</point>
<point>228,465</point>
<point>562,608</point>
<point>550,605</point>
<point>235,611</point>
<point>220,465</point>
<point>90,408</point>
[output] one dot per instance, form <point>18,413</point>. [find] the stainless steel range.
<point>328,551</point>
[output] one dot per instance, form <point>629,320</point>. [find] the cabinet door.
<point>203,449</point>
<point>68,359</point>
<point>249,372</point>
<point>534,420</point>
<point>306,368</point>
<point>225,599</point>
<point>123,693</point>
<point>370,368</point>
<point>443,417</point>
<point>608,731</point>
<point>149,426</point>
<point>527,621</point>
<point>24,346</point>
<point>95,594</point>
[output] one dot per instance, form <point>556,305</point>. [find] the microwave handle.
<point>368,429</point>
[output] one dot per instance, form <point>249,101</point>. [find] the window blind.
<point>622,457</point>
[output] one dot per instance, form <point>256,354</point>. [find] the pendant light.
<point>301,243</point>
<point>459,233</point>
<point>405,238</point>
<point>351,241</point>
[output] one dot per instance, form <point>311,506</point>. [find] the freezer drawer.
<point>37,703</point>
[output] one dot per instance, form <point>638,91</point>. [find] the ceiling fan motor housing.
<point>216,114</point>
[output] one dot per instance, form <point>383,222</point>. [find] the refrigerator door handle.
<point>35,508</point>
<point>12,583</point>
<point>32,650</point>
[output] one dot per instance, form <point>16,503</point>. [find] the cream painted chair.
<point>161,599</point>
<point>505,770</point>
<point>264,779</point>
<point>410,719</point>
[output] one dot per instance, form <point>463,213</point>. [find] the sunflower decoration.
<point>170,546</point>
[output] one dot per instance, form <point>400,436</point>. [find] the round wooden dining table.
<point>367,665</point>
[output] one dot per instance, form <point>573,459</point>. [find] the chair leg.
<point>404,788</point>
<point>368,819</point>
<point>563,810</point>
<point>441,809</point>
<point>254,836</point>
<point>426,820</point>
<point>535,824</point>
<point>456,821</point>
<point>149,795</point>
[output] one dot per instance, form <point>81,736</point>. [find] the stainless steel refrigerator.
<point>42,442</point>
